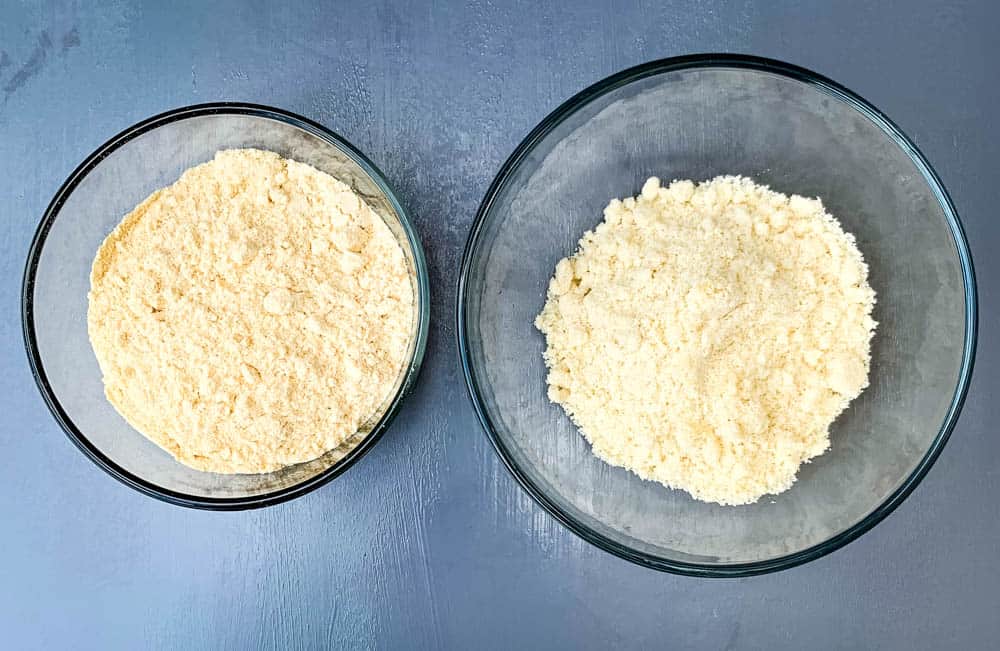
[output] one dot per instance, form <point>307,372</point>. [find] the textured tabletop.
<point>428,542</point>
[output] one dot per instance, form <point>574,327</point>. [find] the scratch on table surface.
<point>331,625</point>
<point>402,528</point>
<point>357,98</point>
<point>32,66</point>
<point>36,60</point>
<point>70,39</point>
<point>734,637</point>
<point>236,75</point>
<point>422,552</point>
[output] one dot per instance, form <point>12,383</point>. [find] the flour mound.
<point>253,315</point>
<point>706,336</point>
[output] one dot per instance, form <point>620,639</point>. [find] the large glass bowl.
<point>106,186</point>
<point>695,118</point>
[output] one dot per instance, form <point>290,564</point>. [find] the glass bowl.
<point>105,187</point>
<point>695,118</point>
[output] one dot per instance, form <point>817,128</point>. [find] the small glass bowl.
<point>695,118</point>
<point>105,187</point>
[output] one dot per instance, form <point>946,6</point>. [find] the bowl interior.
<point>149,158</point>
<point>695,123</point>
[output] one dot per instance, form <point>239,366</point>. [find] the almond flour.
<point>253,315</point>
<point>706,336</point>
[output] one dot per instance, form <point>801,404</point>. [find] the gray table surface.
<point>428,542</point>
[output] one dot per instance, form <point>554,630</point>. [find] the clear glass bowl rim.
<point>839,92</point>
<point>93,452</point>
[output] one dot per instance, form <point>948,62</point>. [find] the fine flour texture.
<point>706,336</point>
<point>253,315</point>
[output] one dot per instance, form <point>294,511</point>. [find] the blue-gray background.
<point>428,542</point>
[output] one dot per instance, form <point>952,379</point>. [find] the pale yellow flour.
<point>252,315</point>
<point>706,336</point>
